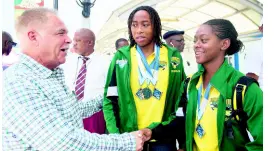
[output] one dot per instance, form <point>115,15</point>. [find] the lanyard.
<point>201,107</point>
<point>149,72</point>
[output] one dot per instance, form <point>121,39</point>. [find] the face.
<point>178,42</point>
<point>82,45</point>
<point>207,45</point>
<point>53,42</point>
<point>142,29</point>
<point>122,44</point>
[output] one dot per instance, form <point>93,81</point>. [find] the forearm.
<point>49,131</point>
<point>92,106</point>
<point>253,106</point>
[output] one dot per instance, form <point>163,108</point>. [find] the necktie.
<point>81,78</point>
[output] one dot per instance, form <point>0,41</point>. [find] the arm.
<point>253,106</point>
<point>110,104</point>
<point>96,104</point>
<point>90,107</point>
<point>183,70</point>
<point>36,122</point>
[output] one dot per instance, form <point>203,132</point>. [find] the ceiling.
<point>184,15</point>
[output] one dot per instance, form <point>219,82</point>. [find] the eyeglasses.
<point>13,43</point>
<point>179,40</point>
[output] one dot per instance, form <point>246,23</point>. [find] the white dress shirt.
<point>97,68</point>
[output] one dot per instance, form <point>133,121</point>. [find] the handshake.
<point>141,136</point>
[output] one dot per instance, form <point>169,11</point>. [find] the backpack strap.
<point>238,99</point>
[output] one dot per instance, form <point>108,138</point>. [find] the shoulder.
<point>15,72</point>
<point>170,48</point>
<point>123,50</point>
<point>17,79</point>
<point>253,93</point>
<point>174,53</point>
<point>254,90</point>
<point>253,101</point>
<point>231,74</point>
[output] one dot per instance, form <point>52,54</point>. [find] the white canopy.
<point>184,15</point>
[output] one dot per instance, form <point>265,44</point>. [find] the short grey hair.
<point>35,15</point>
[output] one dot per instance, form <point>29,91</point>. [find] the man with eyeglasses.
<point>7,44</point>
<point>175,39</point>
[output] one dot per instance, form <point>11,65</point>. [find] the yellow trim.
<point>235,107</point>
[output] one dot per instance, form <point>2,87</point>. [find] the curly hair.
<point>155,20</point>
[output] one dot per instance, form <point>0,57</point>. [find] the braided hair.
<point>224,29</point>
<point>155,20</point>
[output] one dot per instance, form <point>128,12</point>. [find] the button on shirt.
<point>40,113</point>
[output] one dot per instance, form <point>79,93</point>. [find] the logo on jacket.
<point>214,103</point>
<point>162,64</point>
<point>121,63</point>
<point>175,61</point>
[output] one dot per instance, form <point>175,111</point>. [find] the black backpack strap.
<point>238,100</point>
<point>183,102</point>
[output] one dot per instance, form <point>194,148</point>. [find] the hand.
<point>139,140</point>
<point>146,134</point>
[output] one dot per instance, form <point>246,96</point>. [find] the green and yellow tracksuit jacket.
<point>224,80</point>
<point>120,109</point>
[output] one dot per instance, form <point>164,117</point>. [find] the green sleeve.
<point>183,69</point>
<point>107,103</point>
<point>253,106</point>
<point>177,91</point>
<point>180,88</point>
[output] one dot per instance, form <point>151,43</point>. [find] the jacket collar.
<point>126,50</point>
<point>38,68</point>
<point>220,77</point>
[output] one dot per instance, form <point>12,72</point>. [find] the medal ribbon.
<point>146,71</point>
<point>202,107</point>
